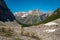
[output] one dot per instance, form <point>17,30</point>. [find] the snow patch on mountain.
<point>24,15</point>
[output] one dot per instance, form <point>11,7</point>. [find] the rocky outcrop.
<point>5,13</point>
<point>42,32</point>
<point>6,16</point>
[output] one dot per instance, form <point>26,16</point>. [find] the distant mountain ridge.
<point>30,17</point>
<point>35,18</point>
<point>30,12</point>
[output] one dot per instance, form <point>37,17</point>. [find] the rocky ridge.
<point>6,16</point>
<point>31,17</point>
<point>39,32</point>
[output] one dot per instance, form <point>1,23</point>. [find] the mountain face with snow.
<point>30,12</point>
<point>30,17</point>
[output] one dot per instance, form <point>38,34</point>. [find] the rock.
<point>43,32</point>
<point>5,13</point>
<point>6,16</point>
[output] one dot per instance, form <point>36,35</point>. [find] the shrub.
<point>6,31</point>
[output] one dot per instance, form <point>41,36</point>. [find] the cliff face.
<point>5,13</point>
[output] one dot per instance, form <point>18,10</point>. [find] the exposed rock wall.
<point>5,13</point>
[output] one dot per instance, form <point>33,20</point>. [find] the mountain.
<point>35,12</point>
<point>55,15</point>
<point>6,16</point>
<point>36,18</point>
<point>5,13</point>
<point>30,17</point>
<point>30,12</point>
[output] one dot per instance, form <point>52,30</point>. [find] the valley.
<point>31,25</point>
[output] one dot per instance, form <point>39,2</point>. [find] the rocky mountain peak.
<point>5,13</point>
<point>30,12</point>
<point>37,12</point>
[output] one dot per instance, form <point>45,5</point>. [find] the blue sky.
<point>26,5</point>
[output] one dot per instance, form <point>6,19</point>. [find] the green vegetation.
<point>29,20</point>
<point>54,16</point>
<point>23,25</point>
